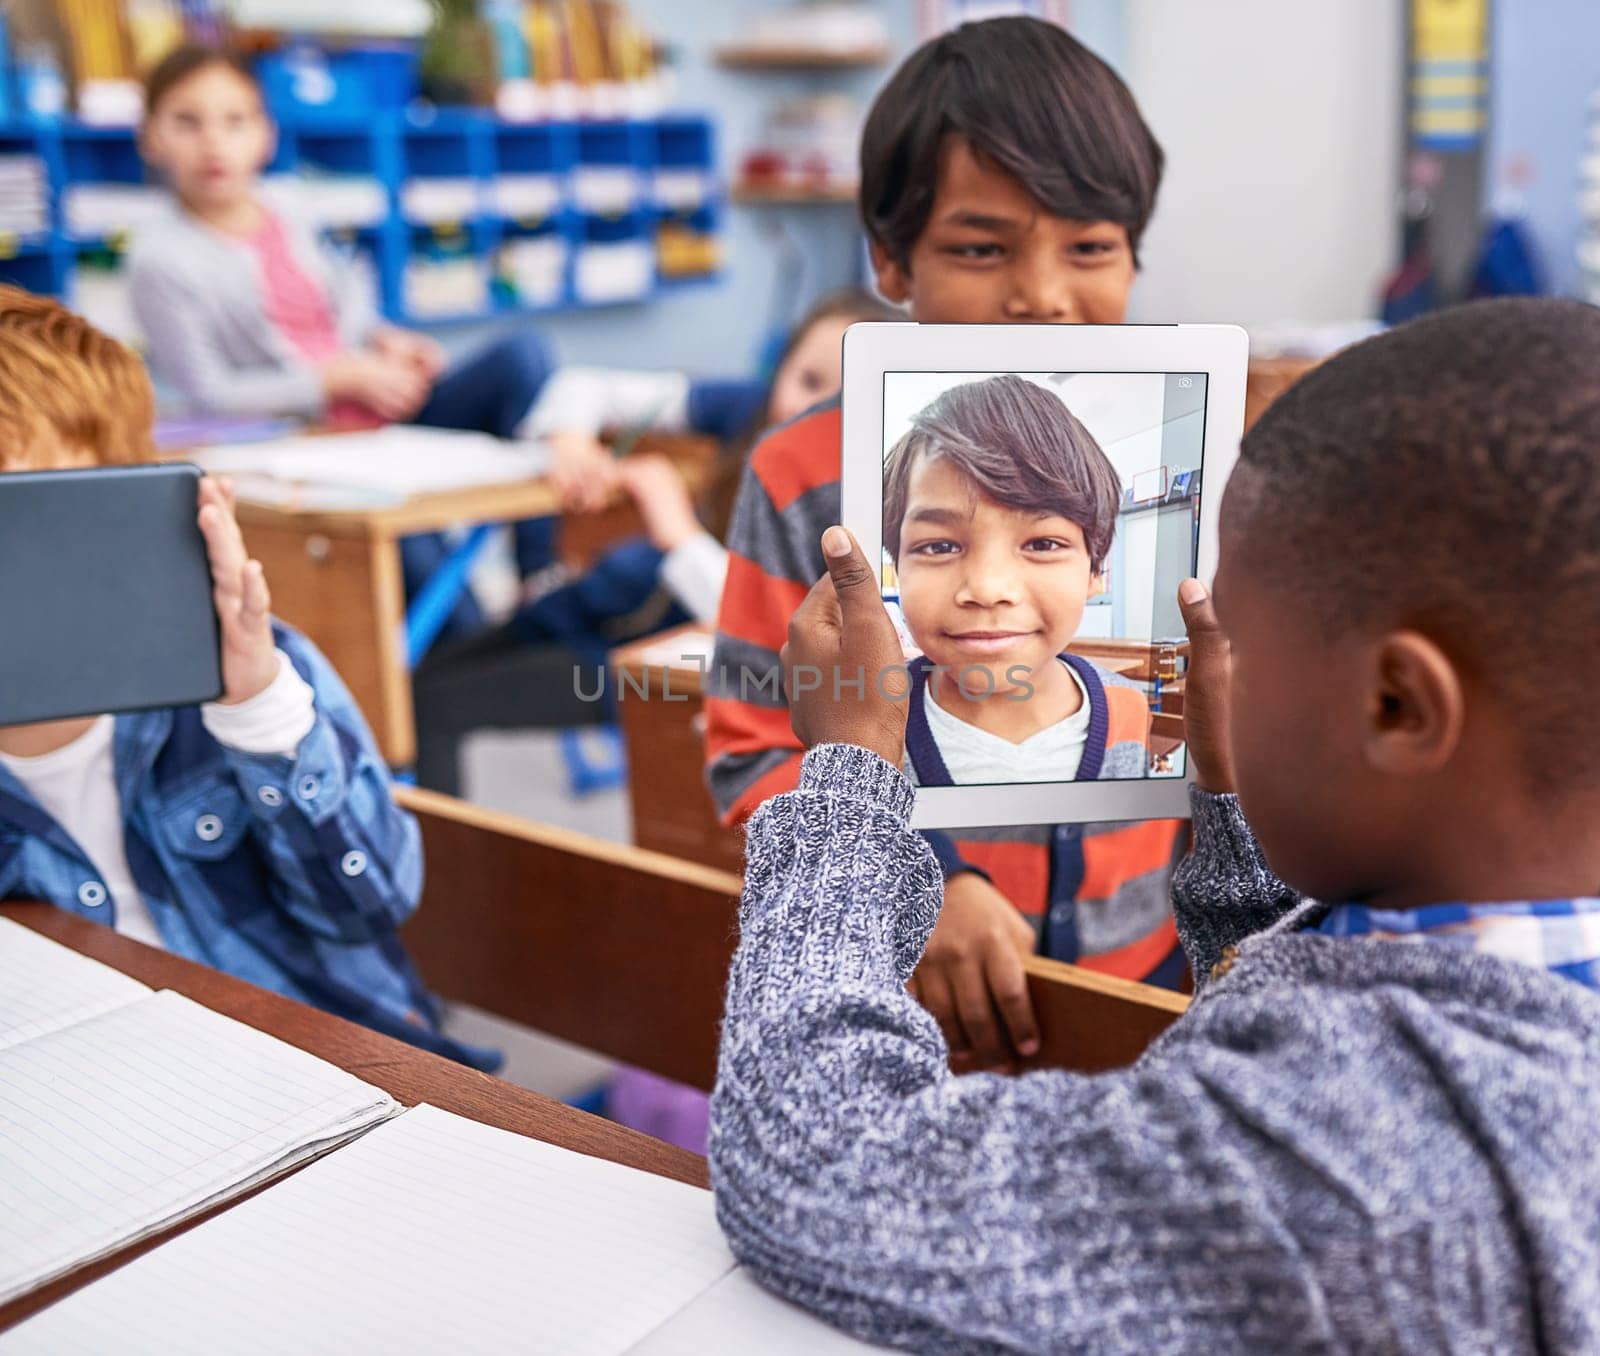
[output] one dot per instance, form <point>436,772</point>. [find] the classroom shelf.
<point>799,58</point>
<point>430,188</point>
<point>781,195</point>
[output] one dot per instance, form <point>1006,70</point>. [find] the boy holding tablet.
<point>1006,177</point>
<point>1373,1130</point>
<point>256,833</point>
<point>998,512</point>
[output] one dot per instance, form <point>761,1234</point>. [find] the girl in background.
<point>244,311</point>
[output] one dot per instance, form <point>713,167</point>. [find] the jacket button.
<point>269,795</point>
<point>1223,965</point>
<point>91,894</point>
<point>307,787</point>
<point>208,828</point>
<point>353,863</point>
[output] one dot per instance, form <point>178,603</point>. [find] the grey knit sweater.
<point>1346,1144</point>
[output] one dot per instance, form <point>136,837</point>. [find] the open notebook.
<point>435,1233</point>
<point>123,1110</point>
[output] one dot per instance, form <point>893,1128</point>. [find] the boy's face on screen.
<point>211,137</point>
<point>984,586</point>
<point>990,254</point>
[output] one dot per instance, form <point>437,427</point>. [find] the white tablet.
<point>1035,495</point>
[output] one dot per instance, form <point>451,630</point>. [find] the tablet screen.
<point>1036,527</point>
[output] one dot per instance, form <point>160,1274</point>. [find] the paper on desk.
<point>433,1233</point>
<point>736,1314</point>
<point>129,1121</point>
<point>684,647</point>
<point>45,986</point>
<point>386,465</point>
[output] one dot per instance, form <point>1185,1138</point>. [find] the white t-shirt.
<point>974,757</point>
<point>77,783</point>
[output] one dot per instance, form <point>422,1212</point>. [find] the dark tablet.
<point>105,593</point>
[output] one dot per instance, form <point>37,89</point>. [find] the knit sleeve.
<point>855,1176</point>
<point>1223,891</point>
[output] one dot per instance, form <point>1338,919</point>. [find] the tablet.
<point>1035,494</point>
<point>105,593</point>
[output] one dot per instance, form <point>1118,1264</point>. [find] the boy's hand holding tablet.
<point>239,590</point>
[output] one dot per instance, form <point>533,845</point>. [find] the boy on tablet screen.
<point>998,512</point>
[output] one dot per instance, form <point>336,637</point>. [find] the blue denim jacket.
<point>294,874</point>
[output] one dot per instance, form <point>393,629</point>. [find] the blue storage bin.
<point>356,82</point>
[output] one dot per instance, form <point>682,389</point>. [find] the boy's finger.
<point>256,605</point>
<point>1200,618</point>
<point>941,1003</point>
<point>1008,982</point>
<point>224,541</point>
<point>854,581</point>
<point>977,1015</point>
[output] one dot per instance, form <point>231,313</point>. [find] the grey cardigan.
<point>1346,1145</point>
<point>197,296</point>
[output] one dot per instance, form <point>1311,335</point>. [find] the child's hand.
<point>656,487</point>
<point>582,470</point>
<point>971,977</point>
<point>1206,719</point>
<point>418,351</point>
<point>239,592</point>
<point>391,390</point>
<point>843,669</point>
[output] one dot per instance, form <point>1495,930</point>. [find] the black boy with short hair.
<point>1374,1129</point>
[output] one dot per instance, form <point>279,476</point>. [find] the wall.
<point>1546,64</point>
<point>1281,124</point>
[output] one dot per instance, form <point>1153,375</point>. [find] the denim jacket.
<point>294,874</point>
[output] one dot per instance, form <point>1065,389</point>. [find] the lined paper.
<point>45,986</point>
<point>434,1233</point>
<point>131,1120</point>
<point>737,1315</point>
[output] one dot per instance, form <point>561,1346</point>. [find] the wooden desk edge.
<point>420,513</point>
<point>1127,990</point>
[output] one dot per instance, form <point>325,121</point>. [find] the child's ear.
<point>1097,585</point>
<point>894,280</point>
<point>1418,707</point>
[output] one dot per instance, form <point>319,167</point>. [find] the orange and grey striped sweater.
<point>1097,894</point>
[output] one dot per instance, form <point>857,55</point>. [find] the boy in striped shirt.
<point>1006,177</point>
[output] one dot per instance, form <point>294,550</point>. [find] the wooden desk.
<point>627,951</point>
<point>336,577</point>
<point>407,1074</point>
<point>1139,661</point>
<point>1269,378</point>
<point>661,711</point>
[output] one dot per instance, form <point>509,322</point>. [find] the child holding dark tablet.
<point>256,833</point>
<point>998,511</point>
<point>1006,177</point>
<point>1373,1130</point>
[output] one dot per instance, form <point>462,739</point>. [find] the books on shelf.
<point>533,269</point>
<point>525,196</point>
<point>619,271</point>
<point>432,200</point>
<point>606,190</point>
<point>24,195</point>
<point>92,209</point>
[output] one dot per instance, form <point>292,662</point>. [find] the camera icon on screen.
<point>1184,383</point>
